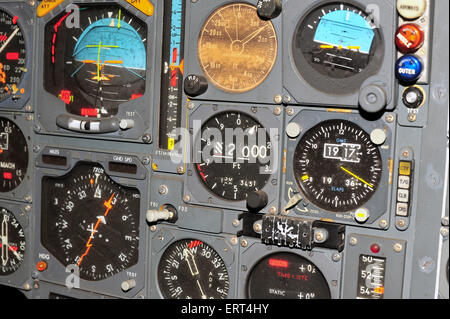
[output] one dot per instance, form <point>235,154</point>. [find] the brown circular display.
<point>236,49</point>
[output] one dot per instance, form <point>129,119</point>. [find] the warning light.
<point>66,96</point>
<point>14,20</point>
<point>12,56</point>
<point>279,263</point>
<point>7,175</point>
<point>375,248</point>
<point>41,266</point>
<point>379,290</point>
<point>90,112</point>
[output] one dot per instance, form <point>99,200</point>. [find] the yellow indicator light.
<point>405,168</point>
<point>324,46</point>
<point>46,6</point>
<point>145,6</point>
<point>305,177</point>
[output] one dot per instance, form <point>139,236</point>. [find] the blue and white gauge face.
<point>99,65</point>
<point>345,29</point>
<point>341,43</point>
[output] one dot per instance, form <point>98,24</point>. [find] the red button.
<point>409,38</point>
<point>41,266</point>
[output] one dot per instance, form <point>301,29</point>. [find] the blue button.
<point>409,68</point>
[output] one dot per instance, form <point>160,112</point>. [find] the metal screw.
<point>234,240</point>
<point>146,160</point>
<point>444,221</point>
<point>190,105</point>
<point>30,117</point>
<point>163,190</point>
<point>334,283</point>
<point>383,223</point>
<point>27,286</point>
<point>28,198</point>
<point>28,108</point>
<point>244,243</point>
<point>353,241</point>
<point>27,208</point>
<point>390,118</point>
<point>444,231</point>
<point>236,223</point>
<point>401,223</point>
<point>31,3</point>
<point>405,154</point>
<point>186,198</point>
<point>257,227</point>
<point>290,111</point>
<point>336,257</point>
<point>412,117</point>
<point>278,99</point>
<point>161,238</point>
<point>153,228</point>
<point>36,148</point>
<point>180,170</point>
<point>286,99</point>
<point>147,138</point>
<point>398,247</point>
<point>277,111</point>
<point>273,210</point>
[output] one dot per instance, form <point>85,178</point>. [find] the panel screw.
<point>27,208</point>
<point>353,241</point>
<point>28,108</point>
<point>244,243</point>
<point>146,160</point>
<point>31,3</point>
<point>444,231</point>
<point>163,190</point>
<point>273,210</point>
<point>29,117</point>
<point>236,223</point>
<point>257,227</point>
<point>336,257</point>
<point>36,148</point>
<point>286,99</point>
<point>147,138</point>
<point>277,111</point>
<point>412,117</point>
<point>153,228</point>
<point>405,154</point>
<point>383,223</point>
<point>278,99</point>
<point>28,198</point>
<point>234,240</point>
<point>390,118</point>
<point>180,170</point>
<point>398,247</point>
<point>401,223</point>
<point>190,105</point>
<point>290,111</point>
<point>27,286</point>
<point>444,221</point>
<point>187,198</point>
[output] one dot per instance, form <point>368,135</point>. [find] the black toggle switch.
<point>269,9</point>
<point>256,201</point>
<point>195,85</point>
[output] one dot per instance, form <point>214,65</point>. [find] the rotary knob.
<point>269,9</point>
<point>256,201</point>
<point>195,85</point>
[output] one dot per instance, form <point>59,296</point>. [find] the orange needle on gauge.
<point>100,218</point>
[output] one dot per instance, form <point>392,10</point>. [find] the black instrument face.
<point>230,166</point>
<point>12,57</point>
<point>287,276</point>
<point>337,42</point>
<point>13,155</point>
<point>191,269</point>
<point>90,221</point>
<point>99,65</point>
<point>337,166</point>
<point>12,243</point>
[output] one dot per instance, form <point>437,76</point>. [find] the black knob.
<point>269,9</point>
<point>195,85</point>
<point>256,201</point>
<point>413,97</point>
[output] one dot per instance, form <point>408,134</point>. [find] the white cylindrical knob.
<point>127,285</point>
<point>154,215</point>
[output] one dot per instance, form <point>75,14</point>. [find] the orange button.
<point>409,38</point>
<point>41,266</point>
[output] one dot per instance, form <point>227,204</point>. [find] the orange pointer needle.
<point>88,244</point>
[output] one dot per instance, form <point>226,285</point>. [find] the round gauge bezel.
<point>213,79</point>
<point>20,227</point>
<point>183,241</point>
<point>207,187</point>
<point>26,77</point>
<point>326,84</point>
<point>302,186</point>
